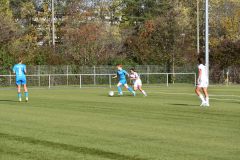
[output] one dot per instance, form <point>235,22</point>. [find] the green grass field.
<point>86,124</point>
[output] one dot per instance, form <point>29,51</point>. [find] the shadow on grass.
<point>72,148</point>
<point>7,100</point>
<point>116,96</point>
<point>182,104</point>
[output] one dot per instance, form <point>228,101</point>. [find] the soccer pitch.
<point>86,124</point>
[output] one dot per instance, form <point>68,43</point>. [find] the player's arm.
<point>126,73</point>
<point>14,70</point>
<point>25,70</point>
<point>115,76</point>
<point>133,77</point>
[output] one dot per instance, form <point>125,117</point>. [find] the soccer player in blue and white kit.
<point>20,71</point>
<point>121,75</point>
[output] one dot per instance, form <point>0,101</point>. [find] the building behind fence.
<point>49,76</point>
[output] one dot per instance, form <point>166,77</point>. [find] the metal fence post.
<point>195,78</point>
<point>10,79</point>
<point>228,76</point>
<point>67,75</point>
<point>39,78</point>
<point>49,81</point>
<point>80,81</point>
<point>94,72</point>
<point>110,81</point>
<point>167,79</point>
<point>148,70</point>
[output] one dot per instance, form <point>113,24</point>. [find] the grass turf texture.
<point>86,124</point>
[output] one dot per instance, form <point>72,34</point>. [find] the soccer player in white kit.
<point>202,83</point>
<point>137,82</point>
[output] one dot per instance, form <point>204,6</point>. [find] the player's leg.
<point>130,89</point>
<point>206,95</point>
<point>199,94</point>
<point>138,84</point>
<point>119,87</point>
<point>140,89</point>
<point>135,87</point>
<point>24,83</point>
<point>25,91</point>
<point>19,91</point>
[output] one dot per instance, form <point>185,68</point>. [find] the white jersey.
<point>135,76</point>
<point>203,80</point>
<point>137,80</point>
<point>204,72</point>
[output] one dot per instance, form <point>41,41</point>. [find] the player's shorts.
<point>203,84</point>
<point>137,83</point>
<point>22,81</point>
<point>123,81</point>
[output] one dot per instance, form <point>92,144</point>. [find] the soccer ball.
<point>111,93</point>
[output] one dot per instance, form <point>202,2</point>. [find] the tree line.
<point>107,32</point>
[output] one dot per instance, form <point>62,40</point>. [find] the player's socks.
<point>26,95</point>
<point>19,97</point>
<point>120,91</point>
<point>144,93</point>
<point>207,101</point>
<point>132,91</point>
<point>202,99</point>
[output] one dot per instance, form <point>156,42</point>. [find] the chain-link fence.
<point>74,69</point>
<point>228,76</point>
<point>98,80</point>
<point>85,76</point>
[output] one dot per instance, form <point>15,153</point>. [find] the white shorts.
<point>137,83</point>
<point>203,84</point>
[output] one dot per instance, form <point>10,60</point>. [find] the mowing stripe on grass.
<point>211,95</point>
<point>72,148</point>
<point>222,99</point>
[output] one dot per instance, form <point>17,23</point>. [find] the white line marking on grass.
<point>188,94</point>
<point>224,99</point>
<point>218,99</point>
<point>222,95</point>
<point>212,95</point>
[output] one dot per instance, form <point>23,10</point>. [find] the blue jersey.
<point>19,70</point>
<point>122,74</point>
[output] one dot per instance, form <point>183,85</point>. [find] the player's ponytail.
<point>132,69</point>
<point>200,60</point>
<point>20,60</point>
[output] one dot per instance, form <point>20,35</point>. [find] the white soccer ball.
<point>111,93</point>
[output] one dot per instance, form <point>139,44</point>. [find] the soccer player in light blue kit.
<point>20,71</point>
<point>121,75</point>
